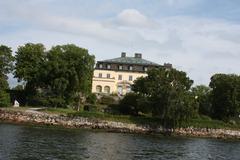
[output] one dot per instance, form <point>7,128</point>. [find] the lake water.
<point>33,143</point>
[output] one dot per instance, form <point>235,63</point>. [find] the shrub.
<point>90,108</point>
<point>133,103</point>
<point>91,98</point>
<point>4,99</point>
<point>105,99</point>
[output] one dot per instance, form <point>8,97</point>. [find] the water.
<point>33,143</point>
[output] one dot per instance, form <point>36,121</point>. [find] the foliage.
<point>107,99</point>
<point>91,108</point>
<point>202,94</point>
<point>225,96</point>
<point>18,93</point>
<point>59,77</point>
<point>91,98</point>
<point>6,66</point>
<point>29,63</point>
<point>132,104</point>
<point>4,99</point>
<point>6,60</point>
<point>167,92</point>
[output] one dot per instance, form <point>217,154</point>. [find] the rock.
<point>82,122</point>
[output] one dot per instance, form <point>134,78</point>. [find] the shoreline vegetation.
<point>116,123</point>
<point>164,101</point>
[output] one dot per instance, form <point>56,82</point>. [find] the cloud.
<point>133,18</point>
<point>199,46</point>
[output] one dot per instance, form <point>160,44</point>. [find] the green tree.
<point>4,95</point>
<point>133,104</point>
<point>225,96</point>
<point>167,91</point>
<point>58,77</point>
<point>29,62</point>
<point>6,60</point>
<point>29,68</point>
<point>71,69</point>
<point>6,66</point>
<point>202,95</point>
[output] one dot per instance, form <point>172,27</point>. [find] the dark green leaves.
<point>225,96</point>
<point>57,75</point>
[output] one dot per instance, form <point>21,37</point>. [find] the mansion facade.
<point>117,75</point>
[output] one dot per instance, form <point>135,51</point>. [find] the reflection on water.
<point>28,142</point>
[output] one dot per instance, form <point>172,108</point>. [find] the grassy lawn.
<point>63,111</point>
<point>16,108</point>
<point>210,123</point>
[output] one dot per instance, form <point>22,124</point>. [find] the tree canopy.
<point>202,94</point>
<point>225,96</point>
<point>56,77</point>
<point>6,66</point>
<point>167,91</point>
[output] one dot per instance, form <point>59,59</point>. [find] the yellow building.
<point>116,75</point>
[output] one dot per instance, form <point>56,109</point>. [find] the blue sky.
<point>200,37</point>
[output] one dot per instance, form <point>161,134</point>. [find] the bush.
<point>91,98</point>
<point>112,109</point>
<point>105,99</point>
<point>133,103</point>
<point>4,99</point>
<point>90,108</point>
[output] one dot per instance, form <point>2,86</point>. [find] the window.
<point>120,89</point>
<point>119,77</point>
<point>108,66</point>
<point>106,89</point>
<point>145,69</point>
<point>120,67</point>
<point>129,89</point>
<point>100,75</point>
<point>130,68</point>
<point>130,78</point>
<point>100,66</point>
<point>99,89</point>
<point>108,75</point>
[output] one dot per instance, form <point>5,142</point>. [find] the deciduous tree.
<point>225,95</point>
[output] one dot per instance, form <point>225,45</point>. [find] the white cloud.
<point>133,18</point>
<point>196,45</point>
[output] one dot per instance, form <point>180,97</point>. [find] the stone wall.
<point>35,117</point>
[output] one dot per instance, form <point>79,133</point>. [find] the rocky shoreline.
<point>35,117</point>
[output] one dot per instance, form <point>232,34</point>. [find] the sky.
<point>200,37</point>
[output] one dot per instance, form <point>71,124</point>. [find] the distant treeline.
<point>62,77</point>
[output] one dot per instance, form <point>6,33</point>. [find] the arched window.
<point>106,89</point>
<point>99,89</point>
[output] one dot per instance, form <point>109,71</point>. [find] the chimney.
<point>167,65</point>
<point>138,55</point>
<point>123,54</point>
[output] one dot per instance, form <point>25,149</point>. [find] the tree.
<point>58,77</point>
<point>71,69</point>
<point>225,96</point>
<point>6,60</point>
<point>6,66</point>
<point>202,94</point>
<point>4,95</point>
<point>133,103</point>
<point>167,91</point>
<point>29,63</point>
<point>30,59</point>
